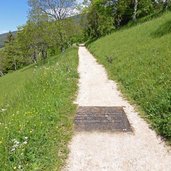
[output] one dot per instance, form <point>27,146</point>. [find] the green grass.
<point>139,58</point>
<point>37,124</point>
<point>14,82</point>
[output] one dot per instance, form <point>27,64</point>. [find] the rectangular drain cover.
<point>92,118</point>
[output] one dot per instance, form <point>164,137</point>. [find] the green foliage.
<point>44,34</point>
<point>141,63</point>
<point>2,62</point>
<point>99,19</point>
<point>145,7</point>
<point>103,15</point>
<point>37,114</point>
<point>11,55</point>
<point>123,12</point>
<point>59,30</point>
<point>3,38</point>
<point>36,40</point>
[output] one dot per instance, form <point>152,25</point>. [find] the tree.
<point>123,12</point>
<point>99,19</point>
<point>11,53</point>
<point>2,63</point>
<point>54,9</point>
<point>145,7</point>
<point>32,39</point>
<point>166,4</point>
<point>134,17</point>
<point>54,13</point>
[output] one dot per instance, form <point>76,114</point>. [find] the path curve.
<point>138,151</point>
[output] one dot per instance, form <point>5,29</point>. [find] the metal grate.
<point>93,118</point>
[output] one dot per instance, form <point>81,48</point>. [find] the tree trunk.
<point>15,64</point>
<point>44,53</point>
<point>1,73</point>
<point>118,21</point>
<point>34,57</point>
<point>134,17</point>
<point>165,5</point>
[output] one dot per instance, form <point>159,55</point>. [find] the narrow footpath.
<point>141,150</point>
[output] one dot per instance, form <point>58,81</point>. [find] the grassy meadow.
<point>36,114</point>
<point>139,59</point>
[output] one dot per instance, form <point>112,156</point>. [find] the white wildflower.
<point>3,110</point>
<point>16,142</point>
<point>13,149</point>
<point>25,142</point>
<point>15,145</point>
<point>13,140</point>
<point>19,167</point>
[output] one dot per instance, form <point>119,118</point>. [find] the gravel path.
<point>141,150</point>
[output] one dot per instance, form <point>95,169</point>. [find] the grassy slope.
<point>37,125</point>
<point>14,82</point>
<point>139,58</point>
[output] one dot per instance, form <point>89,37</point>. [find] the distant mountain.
<point>3,38</point>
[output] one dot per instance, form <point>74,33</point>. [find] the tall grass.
<point>139,58</point>
<point>36,122</point>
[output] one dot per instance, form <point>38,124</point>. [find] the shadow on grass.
<point>162,30</point>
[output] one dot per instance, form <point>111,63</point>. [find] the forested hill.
<point>3,38</point>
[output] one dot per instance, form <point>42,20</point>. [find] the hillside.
<point>3,38</point>
<point>36,114</point>
<point>139,58</point>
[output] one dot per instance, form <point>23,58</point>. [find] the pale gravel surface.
<point>95,151</point>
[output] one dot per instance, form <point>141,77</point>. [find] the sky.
<point>13,13</point>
